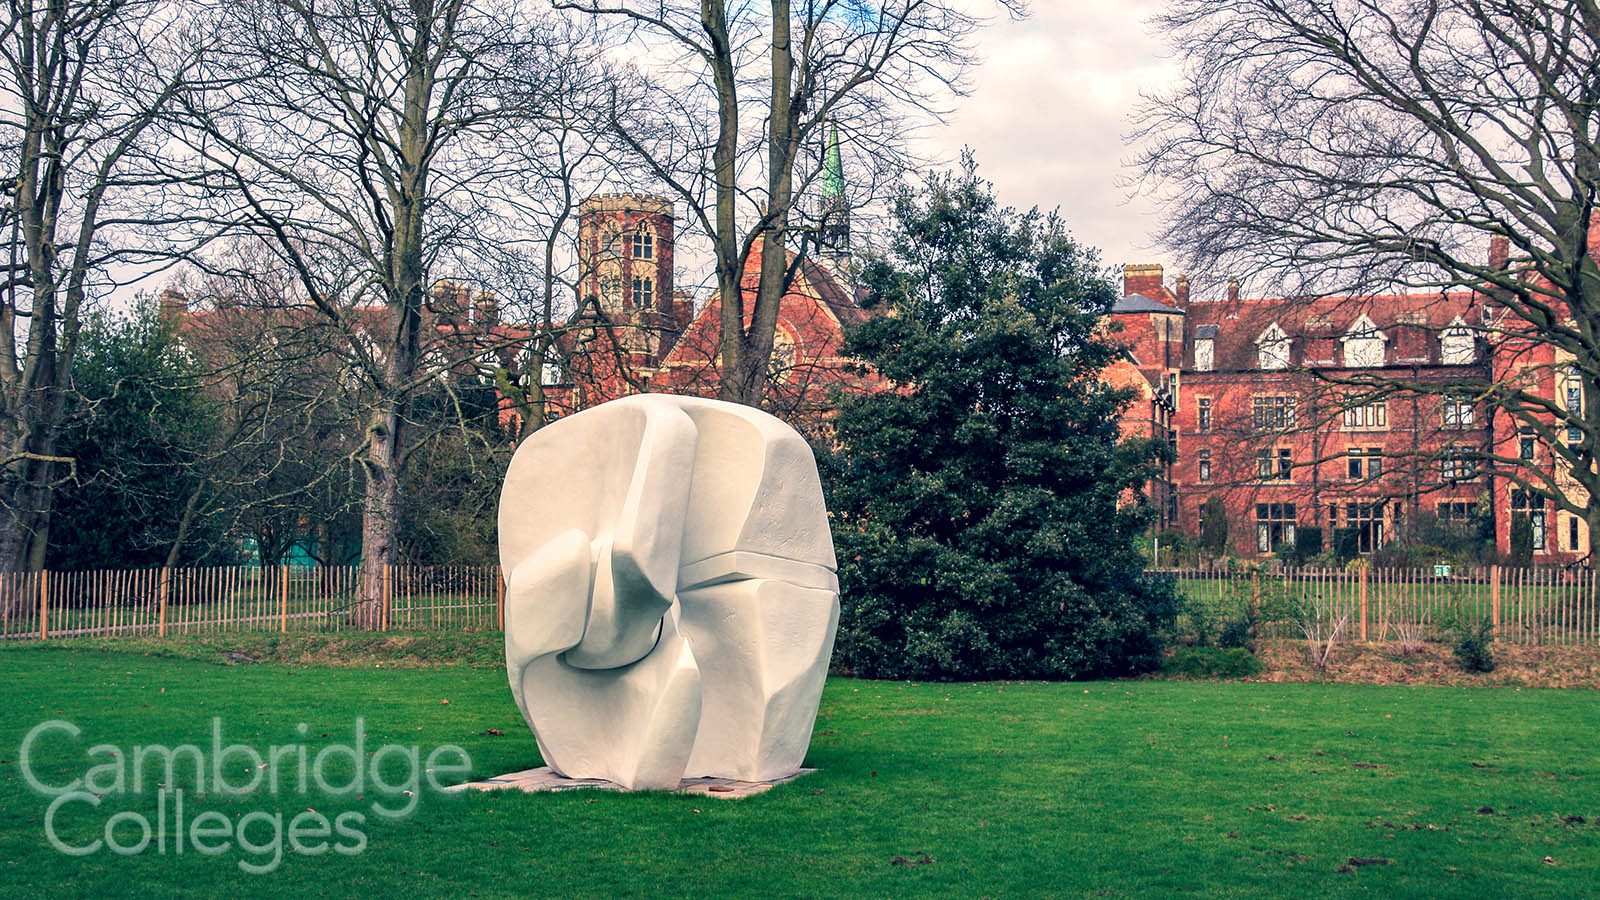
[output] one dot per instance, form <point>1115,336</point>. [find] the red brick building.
<point>1265,402</point>
<point>638,334</point>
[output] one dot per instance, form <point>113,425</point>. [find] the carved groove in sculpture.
<point>671,597</point>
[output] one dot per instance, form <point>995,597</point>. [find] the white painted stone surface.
<point>671,596</point>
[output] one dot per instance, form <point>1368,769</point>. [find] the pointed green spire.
<point>833,185</point>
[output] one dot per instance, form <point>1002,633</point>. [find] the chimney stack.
<point>1233,290</point>
<point>1183,292</point>
<point>1499,252</point>
<point>174,305</point>
<point>1142,279</point>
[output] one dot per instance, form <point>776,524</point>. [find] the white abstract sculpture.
<point>671,596</point>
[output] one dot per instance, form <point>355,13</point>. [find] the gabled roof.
<point>1413,320</point>
<point>1139,303</point>
<point>828,289</point>
<point>1363,328</point>
<point>1273,334</point>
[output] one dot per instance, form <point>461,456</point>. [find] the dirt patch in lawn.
<point>1516,665</point>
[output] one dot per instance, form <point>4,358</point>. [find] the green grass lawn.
<point>1106,789</point>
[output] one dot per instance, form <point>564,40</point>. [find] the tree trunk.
<point>24,535</point>
<point>184,524</point>
<point>378,516</point>
<point>746,380</point>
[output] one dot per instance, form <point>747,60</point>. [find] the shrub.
<point>1236,632</point>
<point>1315,616</point>
<point>1472,649</point>
<point>1307,543</point>
<point>1346,544</point>
<point>1214,526</point>
<point>1200,622</point>
<point>1176,547</point>
<point>1212,662</point>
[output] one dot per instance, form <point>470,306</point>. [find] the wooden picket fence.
<point>1524,606</point>
<point>160,602</point>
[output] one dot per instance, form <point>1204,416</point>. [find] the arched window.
<point>784,356</point>
<point>608,279</point>
<point>644,244</point>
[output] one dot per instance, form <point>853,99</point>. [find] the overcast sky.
<point>1048,112</point>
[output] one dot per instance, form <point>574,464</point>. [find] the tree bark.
<point>378,533</point>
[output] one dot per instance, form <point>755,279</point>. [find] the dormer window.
<point>1458,346</point>
<point>1363,345</point>
<point>1205,348</point>
<point>1273,348</point>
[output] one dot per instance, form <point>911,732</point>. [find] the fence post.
<point>387,593</point>
<point>499,598</point>
<point>44,604</point>
<point>1255,594</point>
<point>1494,599</point>
<point>283,599</point>
<point>166,588</point>
<point>1364,568</point>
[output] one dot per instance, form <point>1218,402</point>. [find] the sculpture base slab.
<point>544,778</point>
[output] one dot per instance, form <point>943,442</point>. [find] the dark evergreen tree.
<point>137,434</point>
<point>985,510</point>
<point>1214,526</point>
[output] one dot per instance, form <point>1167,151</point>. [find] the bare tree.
<point>281,465</point>
<point>81,83</point>
<point>793,67</point>
<point>562,152</point>
<point>355,139</point>
<point>1352,146</point>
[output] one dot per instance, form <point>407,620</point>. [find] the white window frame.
<point>1459,413</point>
<point>1367,417</point>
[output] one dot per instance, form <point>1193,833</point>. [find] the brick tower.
<point>625,242</point>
